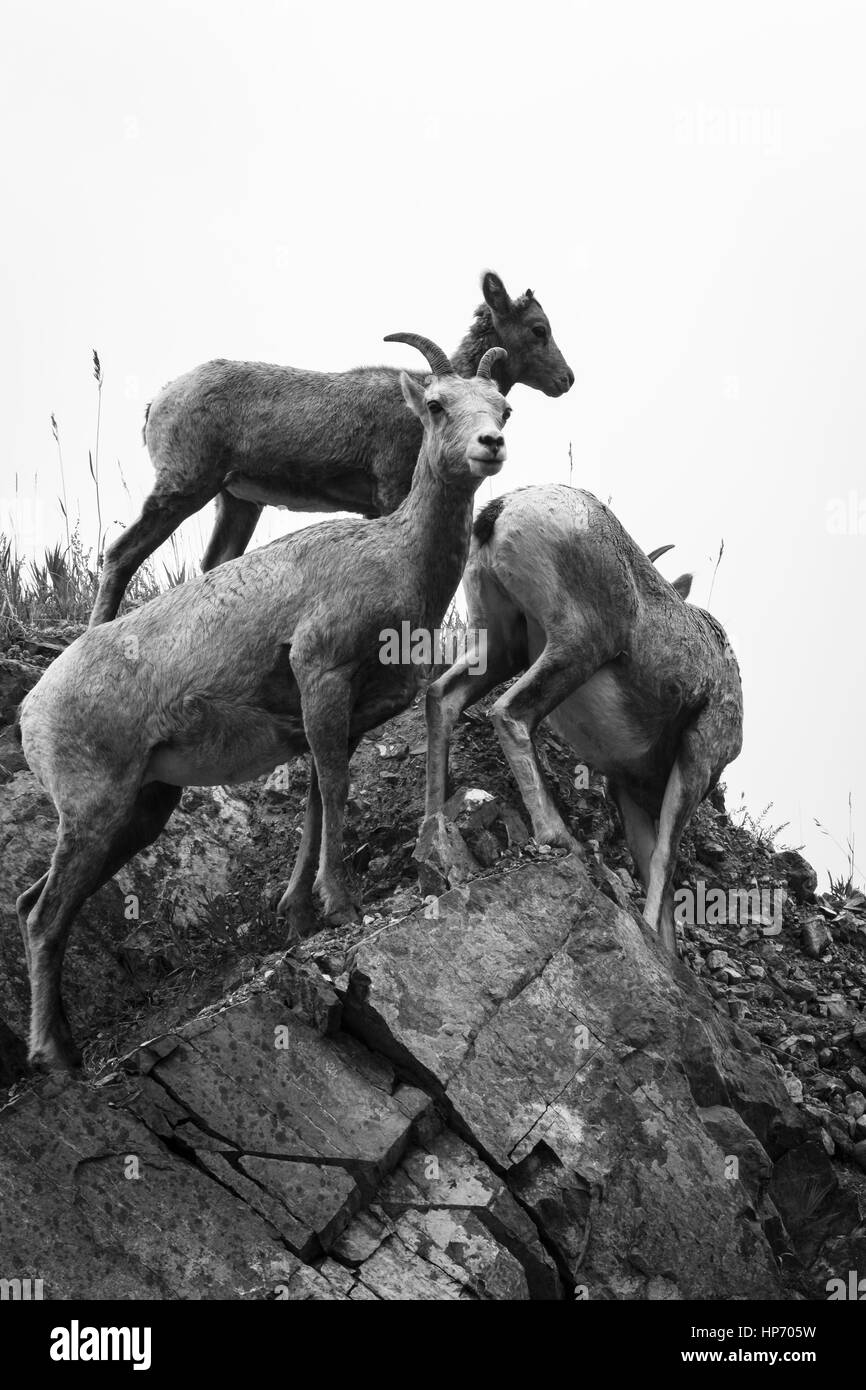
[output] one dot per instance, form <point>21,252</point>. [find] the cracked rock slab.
<point>548,1023</point>
<point>95,1205</point>
<point>302,1126</point>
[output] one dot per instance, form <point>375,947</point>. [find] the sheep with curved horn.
<point>219,680</point>
<point>250,434</point>
<point>644,686</point>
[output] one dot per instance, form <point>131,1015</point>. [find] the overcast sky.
<point>681,184</point>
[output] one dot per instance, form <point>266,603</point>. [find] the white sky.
<point>681,184</point>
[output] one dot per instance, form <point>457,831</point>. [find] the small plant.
<point>843,887</point>
<point>758,826</point>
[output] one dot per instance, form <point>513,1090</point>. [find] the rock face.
<point>495,1088</point>
<point>510,1095</point>
<point>177,881</point>
<point>553,1033</point>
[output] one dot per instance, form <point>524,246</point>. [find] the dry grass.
<point>59,586</point>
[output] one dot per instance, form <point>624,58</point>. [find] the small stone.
<point>825,1085</point>
<point>464,800</point>
<point>728,975</point>
<point>716,960</point>
<point>858,1034</point>
<point>860,1153</point>
<point>794,1086</point>
<point>799,875</point>
<point>835,1006</point>
<point>395,751</point>
<point>486,848</point>
<point>768,950</point>
<point>800,989</point>
<point>855,1104</point>
<point>515,828</point>
<point>827,1141</point>
<point>442,857</point>
<point>278,785</point>
<point>815,937</point>
<point>755,972</point>
<point>711,851</point>
<point>615,888</point>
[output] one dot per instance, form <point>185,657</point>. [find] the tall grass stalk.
<point>94,458</point>
<point>64,507</point>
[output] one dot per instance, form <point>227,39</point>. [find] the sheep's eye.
<point>506,414</point>
<point>434,407</point>
<point>540,333</point>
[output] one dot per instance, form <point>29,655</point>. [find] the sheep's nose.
<point>570,377</point>
<point>491,441</point>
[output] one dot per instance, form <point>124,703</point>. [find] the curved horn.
<point>656,554</point>
<point>439,363</point>
<point>494,354</point>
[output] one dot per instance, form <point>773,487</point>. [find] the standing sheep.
<point>251,434</point>
<point>644,686</point>
<point>219,680</point>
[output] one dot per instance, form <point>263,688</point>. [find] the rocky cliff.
<point>496,1087</point>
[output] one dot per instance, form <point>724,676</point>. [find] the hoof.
<point>339,908</point>
<point>559,837</point>
<point>345,916</point>
<point>55,1057</point>
<point>298,913</point>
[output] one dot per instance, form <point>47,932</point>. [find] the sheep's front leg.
<point>326,704</point>
<point>296,904</point>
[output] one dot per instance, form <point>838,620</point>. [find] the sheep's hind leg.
<point>639,829</point>
<point>296,903</point>
<point>80,865</point>
<point>233,528</point>
<point>24,906</point>
<point>517,715</point>
<point>161,514</point>
<point>446,700</point>
<point>687,785</point>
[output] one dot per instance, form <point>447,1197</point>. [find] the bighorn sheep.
<point>220,679</point>
<point>248,434</point>
<point>642,685</point>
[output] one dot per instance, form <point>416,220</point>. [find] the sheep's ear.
<point>683,585</point>
<point>413,395</point>
<point>495,294</point>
